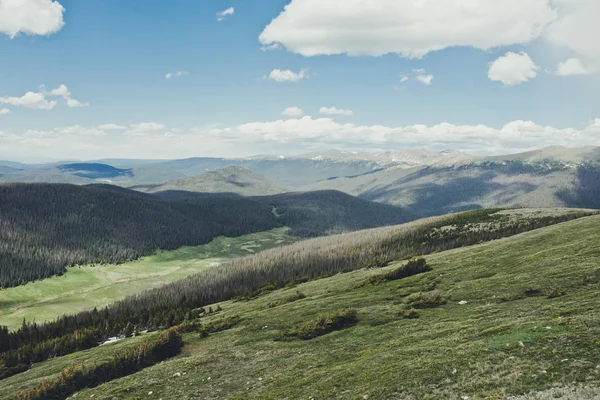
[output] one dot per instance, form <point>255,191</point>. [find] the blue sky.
<point>113,57</point>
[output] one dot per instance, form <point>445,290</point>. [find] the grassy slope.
<point>451,351</point>
<point>85,287</point>
<point>47,370</point>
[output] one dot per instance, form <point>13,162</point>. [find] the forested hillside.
<point>329,211</point>
<point>46,227</point>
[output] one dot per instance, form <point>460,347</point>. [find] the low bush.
<point>290,299</point>
<point>554,292</point>
<point>532,291</point>
<point>222,324</point>
<point>410,313</point>
<point>413,267</point>
<point>425,300</point>
<point>323,325</point>
<point>510,297</point>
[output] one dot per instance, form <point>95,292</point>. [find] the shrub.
<point>511,297</point>
<point>222,324</point>
<point>532,291</point>
<point>413,267</point>
<point>410,313</point>
<point>324,324</point>
<point>290,299</point>
<point>554,292</point>
<point>425,300</point>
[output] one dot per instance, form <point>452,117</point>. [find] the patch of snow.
<point>110,340</point>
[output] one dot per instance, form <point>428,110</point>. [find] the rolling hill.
<point>422,181</point>
<point>438,190</point>
<point>237,180</point>
<point>94,170</point>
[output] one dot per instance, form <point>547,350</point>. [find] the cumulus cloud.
<point>577,28</point>
<point>286,75</point>
<point>4,111</point>
<point>176,74</point>
<point>293,112</point>
<point>513,69</point>
<point>335,111</point>
<point>410,28</point>
<point>573,66</point>
<point>65,93</point>
<point>225,13</point>
<point>31,17</point>
<point>36,101</point>
<point>39,101</point>
<point>285,135</point>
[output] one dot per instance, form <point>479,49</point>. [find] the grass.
<point>469,346</point>
<point>49,369</point>
<point>86,287</point>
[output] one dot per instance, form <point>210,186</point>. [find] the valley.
<point>84,287</point>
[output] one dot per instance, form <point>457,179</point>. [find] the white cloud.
<point>284,136</point>
<point>31,17</point>
<point>411,28</point>
<point>273,46</point>
<point>31,100</point>
<point>335,111</point>
<point>287,75</point>
<point>111,127</point>
<point>4,111</point>
<point>65,93</point>
<point>577,28</point>
<point>425,79</point>
<point>293,112</point>
<point>404,79</point>
<point>39,101</point>
<point>513,69</point>
<point>221,15</point>
<point>176,74</point>
<point>573,66</point>
<point>144,128</point>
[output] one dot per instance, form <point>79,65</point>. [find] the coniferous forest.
<point>46,227</point>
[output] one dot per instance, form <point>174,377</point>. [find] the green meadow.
<point>85,287</point>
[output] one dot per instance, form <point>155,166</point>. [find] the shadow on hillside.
<point>587,189</point>
<point>454,193</point>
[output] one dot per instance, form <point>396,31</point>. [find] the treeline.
<point>21,358</point>
<point>47,227</point>
<point>173,303</point>
<point>76,377</point>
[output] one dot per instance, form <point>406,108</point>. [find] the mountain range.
<point>424,182</point>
